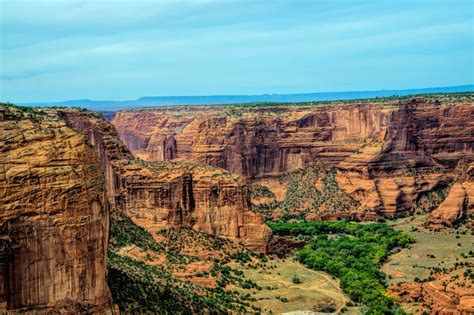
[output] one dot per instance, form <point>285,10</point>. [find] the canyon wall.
<point>54,217</point>
<point>61,172</point>
<point>158,195</point>
<point>386,154</point>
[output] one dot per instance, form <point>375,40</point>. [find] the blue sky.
<point>100,49</point>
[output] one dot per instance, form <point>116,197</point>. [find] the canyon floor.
<point>315,291</point>
<point>446,246</point>
<point>438,264</point>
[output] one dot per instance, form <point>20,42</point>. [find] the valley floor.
<point>316,291</point>
<point>447,250</point>
<point>446,246</point>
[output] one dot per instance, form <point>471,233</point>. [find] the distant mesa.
<point>108,105</point>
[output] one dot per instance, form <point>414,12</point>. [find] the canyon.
<point>388,155</point>
<point>63,172</point>
<point>183,173</point>
<point>168,194</point>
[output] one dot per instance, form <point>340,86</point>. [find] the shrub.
<point>296,279</point>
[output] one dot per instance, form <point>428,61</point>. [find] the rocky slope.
<point>387,154</point>
<point>157,195</point>
<point>459,202</point>
<point>54,218</point>
<point>443,295</point>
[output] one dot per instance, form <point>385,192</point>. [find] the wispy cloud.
<point>51,50</point>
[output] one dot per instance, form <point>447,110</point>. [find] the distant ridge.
<point>148,101</point>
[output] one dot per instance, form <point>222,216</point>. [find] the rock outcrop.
<point>444,295</point>
<point>54,217</point>
<point>172,194</point>
<point>459,202</point>
<point>386,154</point>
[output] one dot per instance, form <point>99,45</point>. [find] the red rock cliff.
<point>54,218</point>
<point>164,194</point>
<point>387,154</point>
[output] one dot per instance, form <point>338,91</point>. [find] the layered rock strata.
<point>386,154</point>
<point>62,170</point>
<point>459,202</point>
<point>172,194</point>
<point>54,217</point>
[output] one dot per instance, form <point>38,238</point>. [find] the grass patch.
<point>427,256</point>
<point>279,294</point>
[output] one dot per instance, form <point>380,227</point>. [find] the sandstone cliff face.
<point>173,194</point>
<point>458,203</point>
<point>386,155</point>
<point>54,219</point>
<point>258,143</point>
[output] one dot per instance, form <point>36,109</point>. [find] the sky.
<point>122,50</point>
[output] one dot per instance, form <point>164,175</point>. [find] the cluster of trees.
<point>352,252</point>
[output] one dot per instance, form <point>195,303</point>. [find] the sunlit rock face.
<point>62,172</point>
<point>169,194</point>
<point>386,154</point>
<point>54,217</point>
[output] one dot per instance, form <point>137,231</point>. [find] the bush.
<point>296,279</point>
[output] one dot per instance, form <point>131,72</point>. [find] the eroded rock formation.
<point>54,217</point>
<point>62,170</point>
<point>445,295</point>
<point>459,202</point>
<point>168,194</point>
<point>386,154</point>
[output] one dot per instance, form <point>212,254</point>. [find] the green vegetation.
<point>276,108</point>
<point>124,232</point>
<point>260,191</point>
<point>309,189</point>
<point>39,110</point>
<point>139,286</point>
<point>352,252</point>
<point>301,189</point>
<point>427,201</point>
<point>296,279</point>
<point>426,257</point>
<point>279,294</point>
<point>24,109</point>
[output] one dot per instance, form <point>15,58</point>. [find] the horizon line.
<point>469,86</point>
